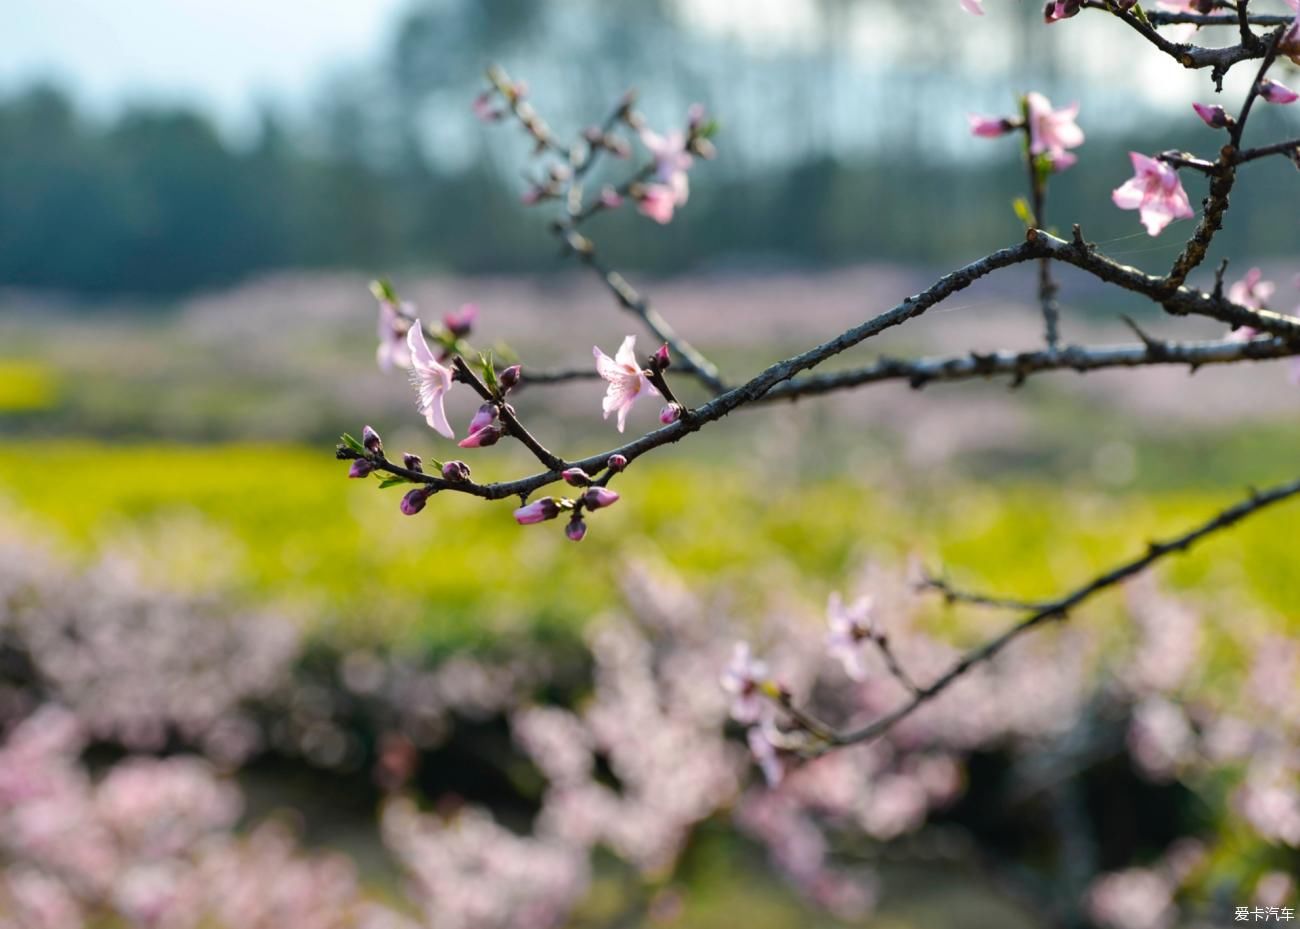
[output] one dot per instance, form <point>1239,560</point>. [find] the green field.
<point>462,572</point>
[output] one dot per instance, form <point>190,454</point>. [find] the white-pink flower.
<point>1252,291</point>
<point>973,6</point>
<point>765,753</point>
<point>672,161</point>
<point>430,379</point>
<point>626,379</point>
<point>1051,132</point>
<point>658,202</point>
<point>851,626</point>
<point>393,327</point>
<point>1155,192</point>
<point>743,679</point>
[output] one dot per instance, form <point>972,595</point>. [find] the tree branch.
<point>1060,607</point>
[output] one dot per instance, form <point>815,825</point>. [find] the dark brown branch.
<point>1290,148</point>
<point>953,595</point>
<point>1020,365</point>
<point>508,416</point>
<point>1060,607</point>
<point>688,356</point>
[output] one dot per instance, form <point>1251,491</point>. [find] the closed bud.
<point>1275,92</point>
<point>360,468</point>
<point>704,148</point>
<point>370,439</point>
<point>488,435</point>
<point>415,499</point>
<point>661,359</point>
<point>695,114</point>
<point>610,198</point>
<point>1213,115</point>
<point>1061,9</point>
<point>461,322</point>
<point>670,413</point>
<point>616,463</point>
<point>455,471</point>
<point>538,511</point>
<point>510,376</point>
<point>483,418</point>
<point>576,477</point>
<point>576,529</point>
<point>412,462</point>
<point>599,497</point>
<point>594,135</point>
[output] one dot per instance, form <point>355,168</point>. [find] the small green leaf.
<point>393,481</point>
<point>1141,14</point>
<point>489,373</point>
<point>353,444</point>
<point>1021,206</point>
<point>707,130</point>
<point>383,290</point>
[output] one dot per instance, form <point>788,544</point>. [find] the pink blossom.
<point>484,109</point>
<point>393,327</point>
<point>743,679</point>
<point>657,201</point>
<point>850,627</point>
<point>483,417</point>
<point>1276,92</point>
<point>626,379</point>
<point>1051,132</point>
<point>989,127</point>
<point>1155,191</point>
<point>431,379</point>
<point>610,198</point>
<point>1251,291</point>
<point>672,161</point>
<point>1289,44</point>
<point>537,512</point>
<point>973,6</point>
<point>765,753</point>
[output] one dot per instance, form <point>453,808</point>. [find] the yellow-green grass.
<point>464,572</point>
<point>26,386</point>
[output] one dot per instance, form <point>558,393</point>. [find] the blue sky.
<point>222,54</point>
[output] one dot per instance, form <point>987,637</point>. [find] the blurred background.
<point>193,198</point>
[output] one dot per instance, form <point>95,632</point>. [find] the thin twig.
<point>1060,607</point>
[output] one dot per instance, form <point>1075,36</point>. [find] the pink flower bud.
<point>576,529</point>
<point>509,377</point>
<point>610,198</point>
<point>1213,115</point>
<point>598,497</point>
<point>370,439</point>
<point>455,471</point>
<point>616,463</point>
<point>360,468</point>
<point>670,414</point>
<point>415,499</point>
<point>486,415</point>
<point>460,322</point>
<point>695,114</point>
<point>1060,9</point>
<point>412,462</point>
<point>661,359</point>
<point>484,109</point>
<point>488,435</point>
<point>576,477</point>
<point>536,512</point>
<point>1275,92</point>
<point>989,127</point>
